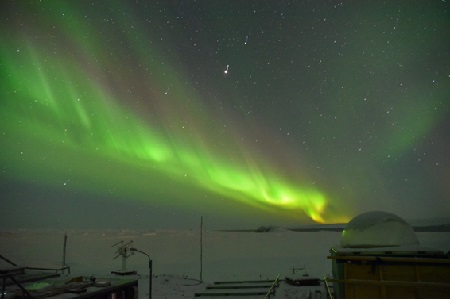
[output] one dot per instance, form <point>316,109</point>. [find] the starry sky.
<point>150,114</point>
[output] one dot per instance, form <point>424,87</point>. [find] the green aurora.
<point>102,103</point>
<point>60,112</point>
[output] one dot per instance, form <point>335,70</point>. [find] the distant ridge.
<point>334,228</point>
<point>432,228</point>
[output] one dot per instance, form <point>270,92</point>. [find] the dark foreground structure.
<point>390,274</point>
<point>380,257</point>
<point>22,282</point>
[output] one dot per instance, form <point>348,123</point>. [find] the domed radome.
<point>378,229</point>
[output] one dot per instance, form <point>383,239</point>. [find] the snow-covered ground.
<point>227,256</point>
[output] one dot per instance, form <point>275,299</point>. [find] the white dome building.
<point>378,229</point>
<point>380,257</point>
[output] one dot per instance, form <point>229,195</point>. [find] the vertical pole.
<point>150,276</point>
<point>201,249</point>
<point>63,263</point>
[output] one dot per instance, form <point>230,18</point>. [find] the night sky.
<point>150,114</point>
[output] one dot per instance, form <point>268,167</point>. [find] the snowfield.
<point>227,256</point>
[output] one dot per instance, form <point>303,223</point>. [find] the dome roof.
<point>378,229</point>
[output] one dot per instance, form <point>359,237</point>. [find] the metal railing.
<point>330,296</point>
<point>272,288</point>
